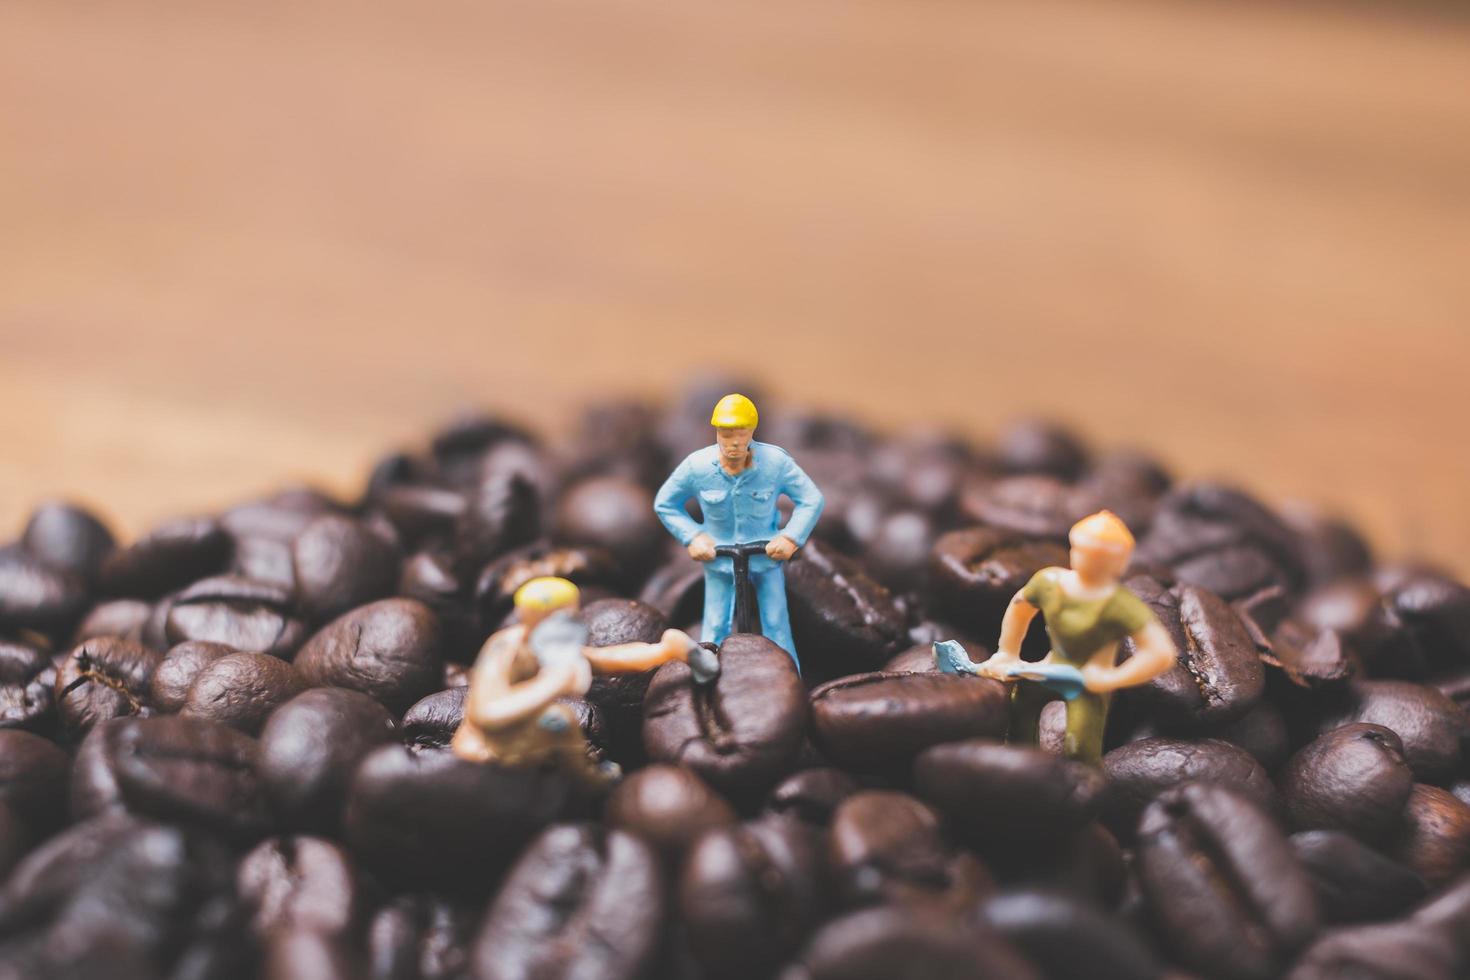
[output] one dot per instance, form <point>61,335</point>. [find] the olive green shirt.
<point>1080,627</point>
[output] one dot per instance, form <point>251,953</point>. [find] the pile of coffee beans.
<point>223,745</point>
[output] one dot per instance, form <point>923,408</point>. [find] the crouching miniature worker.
<point>1087,613</point>
<point>511,715</point>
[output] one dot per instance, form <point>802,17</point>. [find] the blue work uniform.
<point>738,509</point>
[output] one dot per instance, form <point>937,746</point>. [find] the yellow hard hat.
<point>734,412</point>
<point>547,594</point>
<point>1102,530</point>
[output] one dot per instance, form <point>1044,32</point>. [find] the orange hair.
<point>1102,530</point>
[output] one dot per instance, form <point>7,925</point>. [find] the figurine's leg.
<point>1087,719</point>
<point>719,604</point>
<point>770,592</point>
<point>1027,700</point>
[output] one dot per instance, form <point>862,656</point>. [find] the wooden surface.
<point>248,242</point>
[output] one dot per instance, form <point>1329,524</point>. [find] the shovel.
<point>1064,679</point>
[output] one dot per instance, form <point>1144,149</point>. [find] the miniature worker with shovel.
<point>1087,613</point>
<point>738,483</point>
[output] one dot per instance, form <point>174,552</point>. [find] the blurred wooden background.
<point>249,242</point>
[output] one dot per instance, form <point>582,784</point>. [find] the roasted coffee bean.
<point>1391,951</point>
<point>1433,612</point>
<point>1225,892</point>
<point>175,674</point>
<point>1006,796</point>
<point>1330,548</point>
<point>33,779</point>
<point>812,795</point>
<point>749,894</point>
<point>922,470</point>
<point>1435,838</point>
<point>1034,507</point>
<point>244,614</point>
<point>424,516</point>
<point>1218,675</point>
<point>459,448</point>
<point>1040,446</point>
<point>669,807</point>
<point>1355,883</point>
<point>501,513</point>
<point>433,819</point>
<point>1130,484</point>
<point>389,649</point>
<point>1069,939</point>
<point>418,937</point>
<point>907,943</point>
<point>842,620</point>
<point>580,902</point>
<point>1222,540</point>
<point>27,687</point>
<point>430,578</point>
<point>432,721</point>
<point>496,587</point>
<point>619,697</point>
<point>1261,731</point>
<point>298,954</point>
<point>742,732</point>
<point>310,747</point>
<point>1141,770</point>
<point>16,838</point>
<point>169,557</point>
<point>280,516</point>
<point>1353,779</point>
<point>612,514</point>
<point>881,721</point>
<point>304,883</point>
<point>241,690</point>
<point>186,770</point>
<point>885,846</point>
<point>677,590</point>
<point>35,596</point>
<point>1352,608</point>
<point>67,537</point>
<point>975,573</point>
<point>119,617</point>
<point>340,563</point>
<point>104,678</point>
<point>1309,659</point>
<point>919,659</point>
<point>1430,725</point>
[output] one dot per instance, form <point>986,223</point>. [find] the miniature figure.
<point>1087,613</point>
<point>738,483</point>
<point>511,714</point>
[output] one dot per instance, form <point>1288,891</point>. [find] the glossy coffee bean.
<point>1330,548</point>
<point>1392,951</point>
<point>305,883</point>
<point>496,586</point>
<point>1222,540</point>
<point>881,721</point>
<point>241,690</point>
<point>309,748</point>
<point>676,589</point>
<point>33,779</point>
<point>887,847</point>
<point>899,941</point>
<point>27,687</point>
<point>502,512</point>
<point>460,446</point>
<point>1128,483</point>
<point>572,882</point>
<point>619,697</point>
<point>975,573</point>
<point>339,564</point>
<point>1433,613</point>
<point>186,770</point>
<point>669,807</point>
<point>175,674</point>
<point>67,537</point>
<point>171,556</point>
<point>1069,939</point>
<point>812,795</point>
<point>612,514</point>
<point>1435,838</point>
<point>420,937</point>
<point>919,659</point>
<point>1355,883</point>
<point>1004,796</point>
<point>841,619</point>
<point>1034,506</point>
<point>432,721</point>
<point>390,650</point>
<point>896,548</point>
<point>118,617</point>
<point>1261,731</point>
<point>1430,725</point>
<point>1141,770</point>
<point>1223,887</point>
<point>1218,676</point>
<point>237,612</point>
<point>1352,779</point>
<point>1040,446</point>
<point>749,894</point>
<point>34,595</point>
<point>741,733</point>
<point>104,678</point>
<point>433,819</point>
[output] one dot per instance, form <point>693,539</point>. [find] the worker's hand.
<point>996,665</point>
<point>781,548</point>
<point>678,644</point>
<point>702,548</point>
<point>1100,679</point>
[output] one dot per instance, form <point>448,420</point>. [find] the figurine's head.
<point>734,419</point>
<point>540,597</point>
<point>1101,546</point>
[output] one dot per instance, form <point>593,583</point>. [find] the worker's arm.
<point>1013,629</point>
<point>1153,653</point>
<point>808,501</point>
<point>497,709</point>
<point>629,657</point>
<point>669,503</point>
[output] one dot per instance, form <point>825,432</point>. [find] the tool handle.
<point>736,550</point>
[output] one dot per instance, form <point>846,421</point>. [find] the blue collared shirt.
<point>739,508</point>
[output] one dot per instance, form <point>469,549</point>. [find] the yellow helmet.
<point>734,412</point>
<point>547,594</point>
<point>1103,530</point>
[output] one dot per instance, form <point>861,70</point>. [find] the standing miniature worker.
<point>1087,613</point>
<point>738,483</point>
<point>511,715</point>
